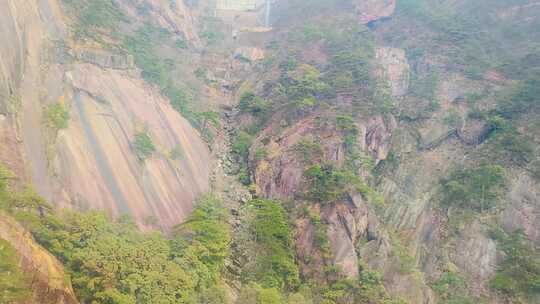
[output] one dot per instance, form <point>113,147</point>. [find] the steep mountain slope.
<point>73,113</point>
<point>385,139</point>
<point>359,151</point>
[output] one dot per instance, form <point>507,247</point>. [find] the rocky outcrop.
<point>476,255</point>
<point>279,175</point>
<point>49,282</point>
<point>373,10</point>
<point>522,212</point>
<point>105,59</point>
<point>394,69</point>
<point>348,223</point>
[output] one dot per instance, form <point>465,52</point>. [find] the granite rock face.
<point>394,68</point>
<point>92,164</point>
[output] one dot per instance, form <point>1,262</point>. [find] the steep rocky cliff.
<point>92,162</point>
<point>367,151</point>
<point>398,224</point>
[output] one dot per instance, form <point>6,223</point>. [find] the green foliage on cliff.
<point>142,46</point>
<point>14,285</point>
<point>523,97</point>
<point>251,103</point>
<point>477,188</point>
<point>114,262</point>
<point>302,82</point>
<point>367,289</point>
<point>453,119</point>
<point>474,36</point>
<point>254,293</point>
<point>351,50</point>
<point>507,142</point>
<point>240,148</point>
<point>156,70</point>
<point>274,265</point>
<point>204,239</point>
<point>518,276</point>
<point>328,184</point>
<point>57,115</point>
<point>309,149</point>
<point>212,31</point>
<point>452,289</point>
<point>144,147</point>
<point>93,16</point>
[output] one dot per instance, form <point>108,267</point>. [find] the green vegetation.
<point>114,262</point>
<point>274,265</point>
<point>366,290</point>
<point>509,146</point>
<point>321,233</point>
<point>453,119</point>
<point>310,149</point>
<point>14,285</point>
<point>180,101</point>
<point>204,240</point>
<point>326,184</point>
<point>94,16</point>
<point>156,70</point>
<point>181,44</point>
<point>506,143</point>
<point>452,289</point>
<point>260,154</point>
<point>251,103</point>
<point>142,46</point>
<point>240,148</point>
<point>212,31</point>
<point>144,147</point>
<point>202,74</point>
<point>206,120</point>
<point>254,293</point>
<point>477,188</point>
<point>518,276</point>
<point>468,33</point>
<point>57,115</point>
<point>304,81</point>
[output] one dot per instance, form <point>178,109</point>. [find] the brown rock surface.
<point>26,28</point>
<point>394,69</point>
<point>96,163</point>
<point>523,210</point>
<point>92,164</point>
<point>280,174</point>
